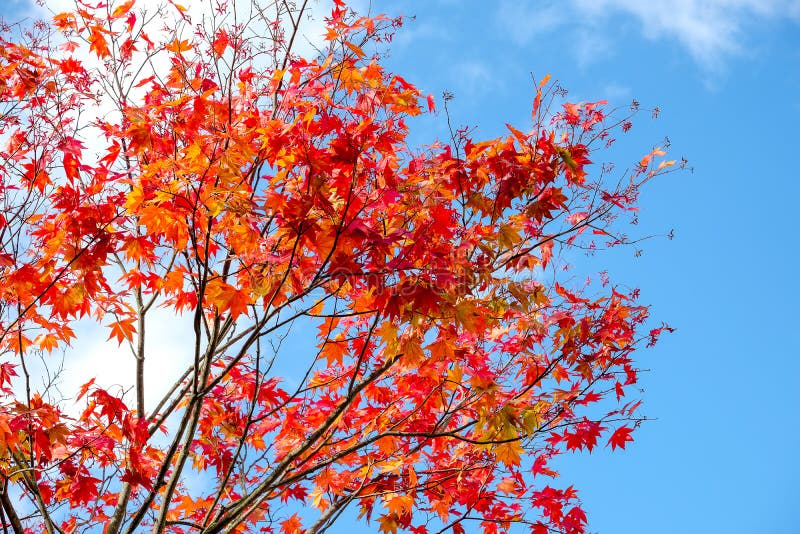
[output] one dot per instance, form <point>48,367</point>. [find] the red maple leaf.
<point>620,437</point>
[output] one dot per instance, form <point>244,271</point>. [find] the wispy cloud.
<point>526,20</point>
<point>476,78</point>
<point>711,31</point>
<point>616,92</point>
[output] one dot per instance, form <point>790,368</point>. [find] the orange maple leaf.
<point>293,525</point>
<point>123,330</point>
<point>97,42</point>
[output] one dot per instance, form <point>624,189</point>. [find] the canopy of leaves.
<point>254,190</point>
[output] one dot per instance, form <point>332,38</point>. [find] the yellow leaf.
<point>122,9</point>
<point>509,453</point>
<point>399,504</point>
<point>508,236</point>
<point>317,308</point>
<point>567,158</point>
<point>356,50</point>
<point>215,206</point>
<point>390,466</point>
<point>388,333</point>
<point>194,155</point>
<point>318,500</point>
<point>134,199</point>
<point>456,374</point>
<point>388,523</point>
<point>530,418</point>
<point>467,315</point>
<point>411,350</point>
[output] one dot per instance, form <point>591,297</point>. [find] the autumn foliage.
<point>442,356</point>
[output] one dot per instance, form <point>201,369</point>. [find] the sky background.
<point>722,452</point>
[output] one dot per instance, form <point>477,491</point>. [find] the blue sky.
<point>722,455</point>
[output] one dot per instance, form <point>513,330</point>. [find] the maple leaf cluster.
<point>252,191</point>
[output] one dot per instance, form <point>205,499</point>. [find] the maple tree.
<point>252,190</point>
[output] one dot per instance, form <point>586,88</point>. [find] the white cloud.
<point>590,44</point>
<point>421,29</point>
<point>710,30</point>
<point>526,20</point>
<point>168,352</point>
<point>474,74</point>
<point>616,92</point>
